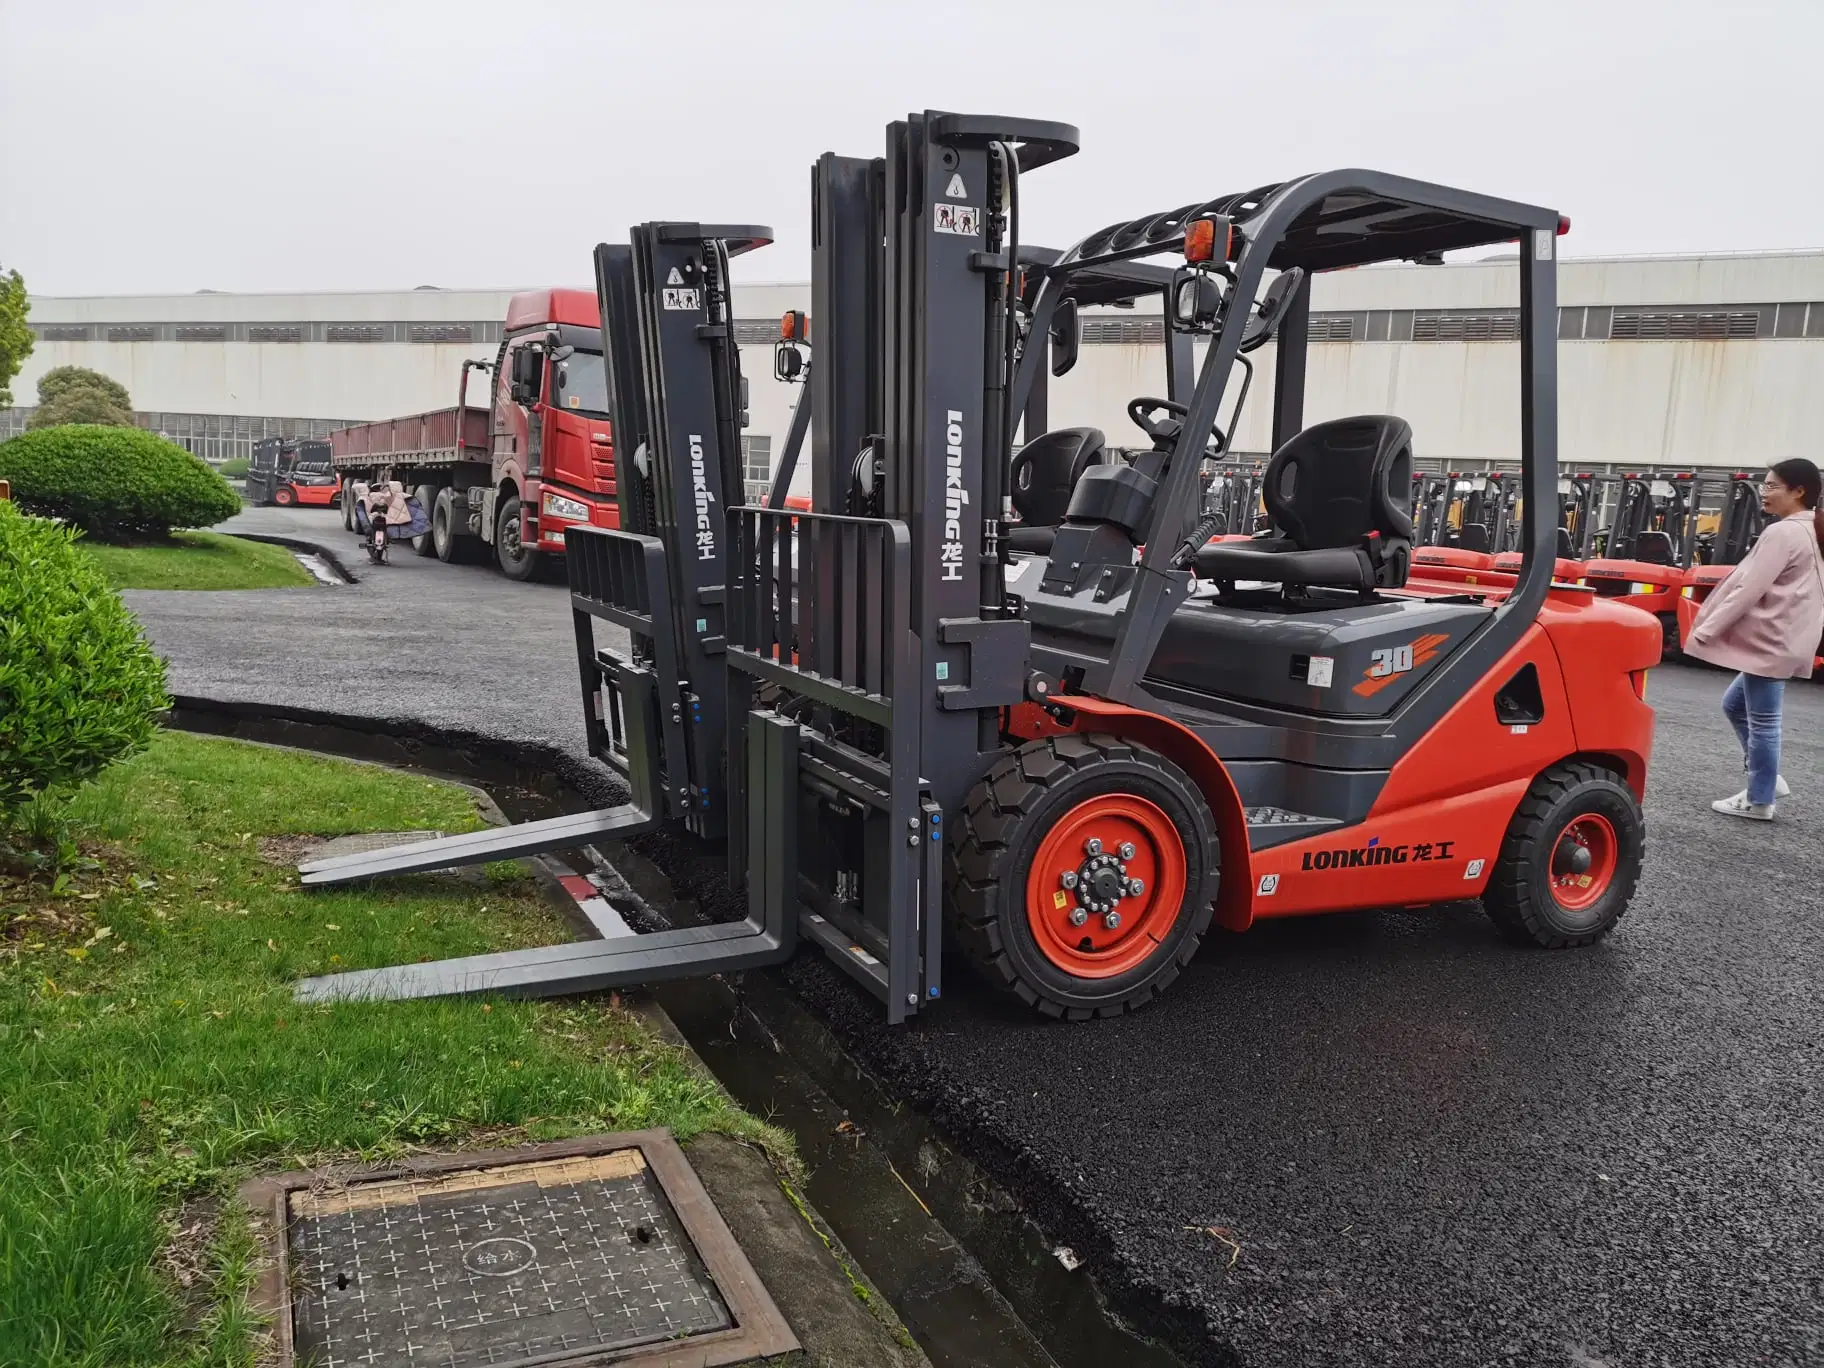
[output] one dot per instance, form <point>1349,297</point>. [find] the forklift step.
<point>480,847</point>
<point>557,970</point>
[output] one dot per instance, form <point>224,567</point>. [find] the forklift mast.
<point>679,404</point>
<point>950,280</point>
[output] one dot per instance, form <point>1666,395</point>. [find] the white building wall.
<point>1740,402</point>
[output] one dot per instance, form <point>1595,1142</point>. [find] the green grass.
<point>152,1055</point>
<point>198,560</point>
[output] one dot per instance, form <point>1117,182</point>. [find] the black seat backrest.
<point>1336,482</point>
<point>1472,537</point>
<point>1048,467</point>
<point>1654,548</point>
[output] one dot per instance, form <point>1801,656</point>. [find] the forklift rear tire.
<point>517,560</point>
<point>1043,865</point>
<point>427,500</point>
<point>1570,860</point>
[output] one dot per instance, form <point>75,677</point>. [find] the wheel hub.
<point>1105,881</point>
<point>1584,861</point>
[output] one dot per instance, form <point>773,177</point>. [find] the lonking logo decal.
<point>1374,853</point>
<point>950,548</point>
<point>699,484</point>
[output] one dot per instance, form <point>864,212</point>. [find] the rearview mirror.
<point>1271,311</point>
<point>527,375</point>
<point>1066,336</point>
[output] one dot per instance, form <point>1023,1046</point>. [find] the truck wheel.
<point>1570,860</point>
<point>427,500</point>
<point>284,496</point>
<point>517,560</point>
<point>1081,874</point>
<point>346,502</point>
<point>453,547</point>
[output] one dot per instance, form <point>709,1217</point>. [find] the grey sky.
<point>392,143</point>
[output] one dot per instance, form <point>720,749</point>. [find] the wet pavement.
<point>1377,1139</point>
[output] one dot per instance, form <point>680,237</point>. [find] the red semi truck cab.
<point>503,482</point>
<point>552,444</point>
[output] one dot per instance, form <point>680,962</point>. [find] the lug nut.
<point>1078,916</point>
<point>1136,886</point>
<point>1093,845</point>
<point>1069,879</point>
<point>1112,921</point>
<point>1127,850</point>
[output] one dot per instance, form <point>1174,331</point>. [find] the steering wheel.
<point>1164,431</point>
<point>1167,429</point>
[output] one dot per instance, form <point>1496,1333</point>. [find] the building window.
<point>757,466</point>
<point>443,332</point>
<point>266,332</point>
<point>1657,324</point>
<point>202,332</point>
<point>138,332</point>
<point>1481,327</point>
<point>1332,328</point>
<point>355,332</point>
<point>52,332</point>
<point>1140,331</point>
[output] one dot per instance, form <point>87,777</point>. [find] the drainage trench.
<point>972,1277</point>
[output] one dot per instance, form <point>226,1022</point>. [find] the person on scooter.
<point>1765,622</point>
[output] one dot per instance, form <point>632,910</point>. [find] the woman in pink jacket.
<point>1765,620</point>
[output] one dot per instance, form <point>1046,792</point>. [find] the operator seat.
<point>1337,494</point>
<point>1472,537</point>
<point>1044,473</point>
<point>1653,548</point>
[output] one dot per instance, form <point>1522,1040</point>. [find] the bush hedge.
<point>79,686</point>
<point>116,483</point>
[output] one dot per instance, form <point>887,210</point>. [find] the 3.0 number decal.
<point>1388,663</point>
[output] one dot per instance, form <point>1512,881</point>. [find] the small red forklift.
<point>1068,742</point>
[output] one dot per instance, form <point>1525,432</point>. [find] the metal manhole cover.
<point>549,1258</point>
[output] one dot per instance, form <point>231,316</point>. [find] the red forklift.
<point>1650,543</point>
<point>288,471</point>
<point>1067,753</point>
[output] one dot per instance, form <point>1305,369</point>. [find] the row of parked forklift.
<point>1035,708</point>
<point>1660,541</point>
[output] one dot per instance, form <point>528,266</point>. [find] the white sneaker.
<point>1738,806</point>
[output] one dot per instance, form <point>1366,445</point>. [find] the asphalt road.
<point>1377,1139</point>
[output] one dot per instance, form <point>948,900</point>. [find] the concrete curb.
<point>330,558</point>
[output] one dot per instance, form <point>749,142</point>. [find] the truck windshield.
<point>582,383</point>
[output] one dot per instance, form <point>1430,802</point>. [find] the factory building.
<point>1665,362</point>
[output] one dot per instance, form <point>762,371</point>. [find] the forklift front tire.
<point>1081,874</point>
<point>1571,859</point>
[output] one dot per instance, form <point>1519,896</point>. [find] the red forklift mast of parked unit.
<point>506,479</point>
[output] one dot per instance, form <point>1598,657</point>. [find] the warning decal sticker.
<point>681,299</point>
<point>965,220</point>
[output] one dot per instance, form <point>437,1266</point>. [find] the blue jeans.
<point>1752,705</point>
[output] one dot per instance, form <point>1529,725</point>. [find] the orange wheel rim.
<point>1105,886</point>
<point>1584,861</point>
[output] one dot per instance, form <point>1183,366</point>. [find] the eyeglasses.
<point>1771,485</point>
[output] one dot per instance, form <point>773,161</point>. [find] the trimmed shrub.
<point>79,686</point>
<point>235,468</point>
<point>115,483</point>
